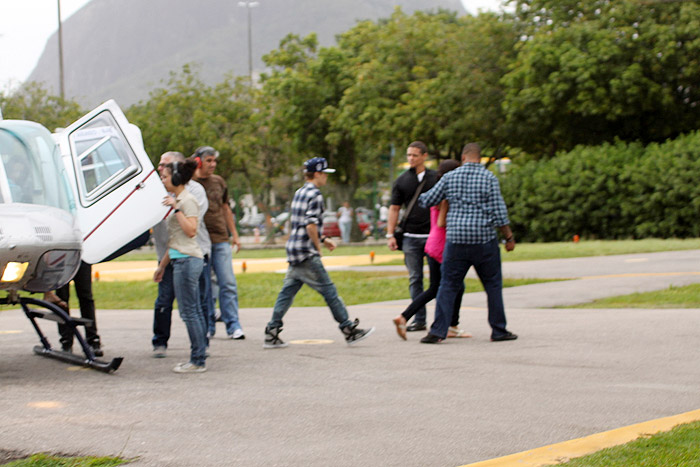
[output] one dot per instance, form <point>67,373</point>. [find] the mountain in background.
<point>123,49</point>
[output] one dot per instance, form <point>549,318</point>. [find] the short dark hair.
<point>471,148</point>
<point>447,165</point>
<point>420,145</point>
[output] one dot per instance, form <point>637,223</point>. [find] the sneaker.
<point>272,339</point>
<point>508,336</point>
<point>97,350</point>
<point>353,334</point>
<point>189,368</point>
<point>237,334</point>
<point>159,352</point>
<point>431,339</point>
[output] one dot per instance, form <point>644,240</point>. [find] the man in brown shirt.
<point>222,230</point>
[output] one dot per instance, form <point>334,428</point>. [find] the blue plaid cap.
<point>317,164</point>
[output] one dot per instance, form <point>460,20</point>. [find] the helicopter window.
<point>104,159</point>
<point>30,169</point>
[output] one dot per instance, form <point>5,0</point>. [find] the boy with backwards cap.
<point>304,257</point>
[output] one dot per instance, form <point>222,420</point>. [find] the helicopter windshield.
<point>31,170</point>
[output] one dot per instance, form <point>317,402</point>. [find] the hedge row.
<point>614,191</point>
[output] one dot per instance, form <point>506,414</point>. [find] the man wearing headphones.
<point>163,308</point>
<point>222,230</point>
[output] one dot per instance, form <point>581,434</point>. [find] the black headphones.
<point>176,177</point>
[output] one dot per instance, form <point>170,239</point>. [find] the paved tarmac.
<point>384,402</point>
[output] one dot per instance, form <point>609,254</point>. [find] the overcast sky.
<point>25,26</point>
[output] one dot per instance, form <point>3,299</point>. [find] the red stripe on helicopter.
<point>138,187</point>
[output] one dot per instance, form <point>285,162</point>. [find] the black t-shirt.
<point>402,192</point>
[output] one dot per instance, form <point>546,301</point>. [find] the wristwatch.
<point>389,235</point>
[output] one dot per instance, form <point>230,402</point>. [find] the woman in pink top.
<point>433,248</point>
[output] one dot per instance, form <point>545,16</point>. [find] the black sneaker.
<point>413,327</point>
<point>508,336</point>
<point>431,339</point>
<point>97,350</point>
<point>272,339</point>
<point>353,334</point>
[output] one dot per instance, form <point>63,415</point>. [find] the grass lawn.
<point>673,297</point>
<point>522,252</point>
<point>678,447</point>
<point>260,290</point>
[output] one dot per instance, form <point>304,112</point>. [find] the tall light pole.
<point>60,53</point>
<point>248,4</point>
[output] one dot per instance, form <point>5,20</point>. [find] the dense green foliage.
<point>611,191</point>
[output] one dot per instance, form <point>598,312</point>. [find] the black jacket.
<point>402,192</point>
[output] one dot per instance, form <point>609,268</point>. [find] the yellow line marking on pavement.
<point>311,341</point>
<point>143,270</point>
<point>562,452</point>
<point>46,404</point>
<point>10,331</point>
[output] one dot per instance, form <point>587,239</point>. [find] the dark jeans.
<point>413,253</point>
<point>83,289</point>
<point>457,259</point>
<point>431,293</point>
<point>163,309</point>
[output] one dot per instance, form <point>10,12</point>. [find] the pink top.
<point>436,239</point>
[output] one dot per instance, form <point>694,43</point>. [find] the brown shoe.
<point>400,323</point>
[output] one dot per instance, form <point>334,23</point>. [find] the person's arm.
<point>187,224</point>
<point>392,219</point>
<point>158,274</point>
<point>442,216</point>
<point>508,235</point>
<point>312,231</point>
<point>231,224</point>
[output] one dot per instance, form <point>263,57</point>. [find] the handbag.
<point>399,230</point>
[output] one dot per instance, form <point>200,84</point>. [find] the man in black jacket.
<point>416,226</point>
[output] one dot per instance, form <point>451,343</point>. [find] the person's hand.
<point>235,244</point>
<point>510,244</point>
<point>169,201</point>
<point>391,243</point>
<point>330,244</point>
<point>158,274</point>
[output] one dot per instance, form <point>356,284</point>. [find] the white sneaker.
<point>237,334</point>
<point>189,368</point>
<point>159,352</point>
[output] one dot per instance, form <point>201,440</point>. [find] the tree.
<point>33,102</point>
<point>590,71</point>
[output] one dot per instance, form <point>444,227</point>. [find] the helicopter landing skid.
<point>57,314</point>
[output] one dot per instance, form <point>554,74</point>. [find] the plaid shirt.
<point>307,208</point>
<point>476,203</point>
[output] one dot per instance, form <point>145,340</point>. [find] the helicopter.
<point>87,192</point>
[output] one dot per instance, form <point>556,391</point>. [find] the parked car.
<point>364,220</point>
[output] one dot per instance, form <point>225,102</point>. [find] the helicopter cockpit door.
<point>118,192</point>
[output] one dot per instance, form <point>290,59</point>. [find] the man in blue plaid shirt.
<point>476,210</point>
<point>304,257</point>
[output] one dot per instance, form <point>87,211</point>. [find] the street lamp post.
<point>60,54</point>
<point>249,4</point>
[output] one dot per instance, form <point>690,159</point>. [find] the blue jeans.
<point>186,272</point>
<point>431,293</point>
<point>413,253</point>
<point>345,228</point>
<point>228,290</point>
<point>205,294</point>
<point>163,309</point>
<point>457,259</point>
<point>312,273</point>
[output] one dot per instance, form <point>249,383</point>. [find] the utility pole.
<point>248,4</point>
<point>60,54</point>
